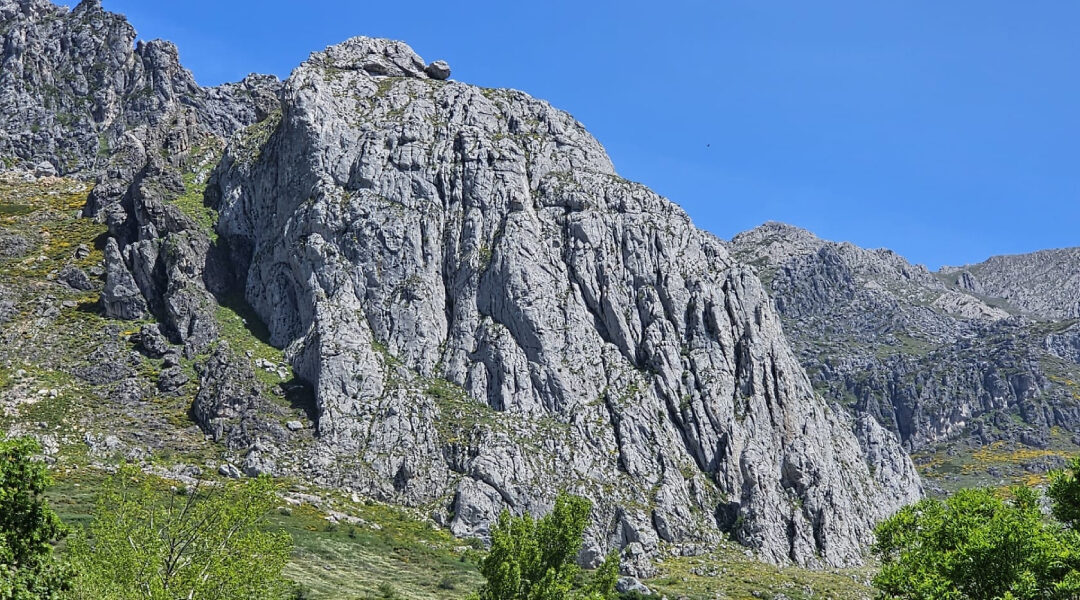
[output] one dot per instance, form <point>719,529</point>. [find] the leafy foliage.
<point>536,559</point>
<point>1064,491</point>
<point>156,544</point>
<point>977,545</point>
<point>28,527</point>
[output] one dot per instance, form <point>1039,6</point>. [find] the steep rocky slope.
<point>935,357</point>
<point>1045,283</point>
<point>475,310</point>
<point>402,233</point>
<point>74,86</point>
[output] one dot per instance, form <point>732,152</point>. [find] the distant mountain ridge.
<point>1045,284</point>
<point>979,354</point>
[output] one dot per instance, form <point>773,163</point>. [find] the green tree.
<point>205,543</point>
<point>1064,491</point>
<point>536,559</point>
<point>28,527</point>
<point>976,545</point>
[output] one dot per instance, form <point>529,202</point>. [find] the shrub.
<point>210,544</point>
<point>28,527</point>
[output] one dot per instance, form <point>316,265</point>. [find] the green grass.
<point>729,573</point>
<point>192,204</point>
<point>391,546</point>
<point>246,334</point>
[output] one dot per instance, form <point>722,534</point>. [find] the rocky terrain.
<point>979,358</point>
<point>405,288</point>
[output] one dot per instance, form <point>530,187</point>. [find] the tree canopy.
<point>537,559</point>
<point>28,527</point>
<point>208,543</point>
<point>977,544</point>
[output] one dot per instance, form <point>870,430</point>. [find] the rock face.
<point>1045,283</point>
<point>73,83</point>
<point>488,313</point>
<point>979,354</point>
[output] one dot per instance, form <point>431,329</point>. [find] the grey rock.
<point>13,245</point>
<point>439,70</point>
<point>372,56</point>
<point>294,425</point>
<point>229,470</point>
<point>228,400</point>
<point>153,342</point>
<point>121,298</point>
<point>951,356</point>
<point>171,359</point>
<point>486,311</point>
<point>172,380</point>
<point>75,278</point>
<point>1045,284</point>
<point>44,169</point>
<point>76,82</point>
<point>258,463</point>
<point>631,584</point>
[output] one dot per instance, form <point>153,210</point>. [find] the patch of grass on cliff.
<point>246,334</point>
<point>1001,464</point>
<point>905,344</point>
<point>192,203</point>
<point>249,143</point>
<point>458,413</point>
<point>46,213</point>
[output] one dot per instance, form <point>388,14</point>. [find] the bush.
<point>535,560</point>
<point>977,545</point>
<point>209,544</point>
<point>28,527</point>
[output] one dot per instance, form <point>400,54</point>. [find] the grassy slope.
<point>391,549</point>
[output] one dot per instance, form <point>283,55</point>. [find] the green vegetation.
<point>202,543</point>
<point>193,204</point>
<point>536,560</point>
<point>28,527</point>
<point>977,545</point>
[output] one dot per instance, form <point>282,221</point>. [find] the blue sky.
<point>947,131</point>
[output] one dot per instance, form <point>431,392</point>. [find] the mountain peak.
<point>774,242</point>
<point>379,57</point>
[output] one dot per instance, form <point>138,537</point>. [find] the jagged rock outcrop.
<point>932,356</point>
<point>488,313</point>
<point>73,83</point>
<point>80,94</point>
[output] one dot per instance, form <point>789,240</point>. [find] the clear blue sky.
<point>948,131</point>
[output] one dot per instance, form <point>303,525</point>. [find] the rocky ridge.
<point>484,311</point>
<point>1045,284</point>
<point>935,357</point>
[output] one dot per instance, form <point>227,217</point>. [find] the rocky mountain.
<point>978,355</point>
<point>74,88</point>
<point>1045,284</point>
<point>460,305</point>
